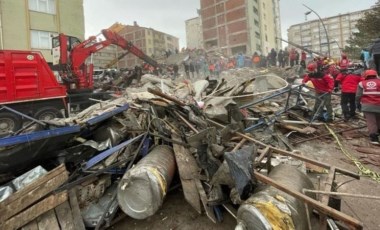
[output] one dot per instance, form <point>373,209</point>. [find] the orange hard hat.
<point>369,73</point>
<point>311,67</point>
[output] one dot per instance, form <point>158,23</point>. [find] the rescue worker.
<point>319,62</point>
<point>344,62</point>
<point>349,82</point>
<point>368,93</point>
<point>256,60</point>
<point>285,60</point>
<point>280,57</point>
<point>240,60</point>
<point>175,71</point>
<point>323,85</point>
<point>303,59</point>
<point>292,57</point>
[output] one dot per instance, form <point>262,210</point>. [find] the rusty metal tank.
<point>142,189</point>
<point>270,208</point>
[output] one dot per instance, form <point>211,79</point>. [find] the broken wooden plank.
<point>48,220</point>
<point>32,225</point>
<point>77,217</point>
<point>64,216</point>
<point>53,173</point>
<point>32,193</point>
<point>301,122</point>
<point>304,130</point>
<point>314,168</point>
<point>263,153</point>
<point>33,212</point>
<point>368,150</point>
<point>209,211</point>
<point>325,197</point>
<point>187,168</point>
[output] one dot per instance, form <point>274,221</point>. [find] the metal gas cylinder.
<point>142,189</point>
<point>270,208</point>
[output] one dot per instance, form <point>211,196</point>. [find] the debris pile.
<point>217,138</point>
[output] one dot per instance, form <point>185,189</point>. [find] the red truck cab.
<point>28,85</point>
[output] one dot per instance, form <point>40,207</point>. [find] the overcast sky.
<point>169,16</point>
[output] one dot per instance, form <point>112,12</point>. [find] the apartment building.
<point>105,57</point>
<point>241,26</point>
<point>152,42</point>
<point>30,24</point>
<point>194,38</point>
<point>326,34</point>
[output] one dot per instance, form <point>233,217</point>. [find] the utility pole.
<point>323,24</point>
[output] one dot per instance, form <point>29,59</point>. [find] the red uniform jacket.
<point>371,91</point>
<point>323,84</point>
<point>349,82</point>
<point>344,63</point>
<point>332,70</point>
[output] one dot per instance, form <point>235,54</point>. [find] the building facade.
<point>105,57</point>
<point>194,38</point>
<point>34,22</point>
<point>313,34</point>
<point>241,26</point>
<point>152,42</point>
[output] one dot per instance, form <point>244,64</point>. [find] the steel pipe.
<point>142,189</point>
<point>271,208</point>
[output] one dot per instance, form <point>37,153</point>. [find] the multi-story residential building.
<point>30,24</point>
<point>241,26</point>
<point>194,37</point>
<point>152,42</point>
<point>105,57</point>
<point>313,34</point>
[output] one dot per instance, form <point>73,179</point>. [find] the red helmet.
<point>369,73</point>
<point>311,67</point>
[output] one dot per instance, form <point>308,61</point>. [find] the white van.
<point>98,74</point>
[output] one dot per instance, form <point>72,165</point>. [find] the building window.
<point>333,20</point>
<point>256,23</point>
<point>257,34</point>
<point>41,39</point>
<point>334,26</point>
<point>45,6</point>
<point>255,10</point>
<point>258,47</point>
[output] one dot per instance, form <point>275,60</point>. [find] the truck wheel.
<point>9,122</point>
<point>48,113</point>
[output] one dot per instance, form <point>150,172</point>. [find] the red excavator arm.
<point>73,54</point>
<point>118,40</point>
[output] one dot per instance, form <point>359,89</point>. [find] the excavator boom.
<point>127,45</point>
<point>72,55</point>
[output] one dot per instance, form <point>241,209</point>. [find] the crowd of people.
<point>359,84</point>
<point>360,90</point>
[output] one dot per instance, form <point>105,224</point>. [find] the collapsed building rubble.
<point>217,138</point>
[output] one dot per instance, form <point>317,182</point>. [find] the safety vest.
<point>256,59</point>
<point>371,91</point>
